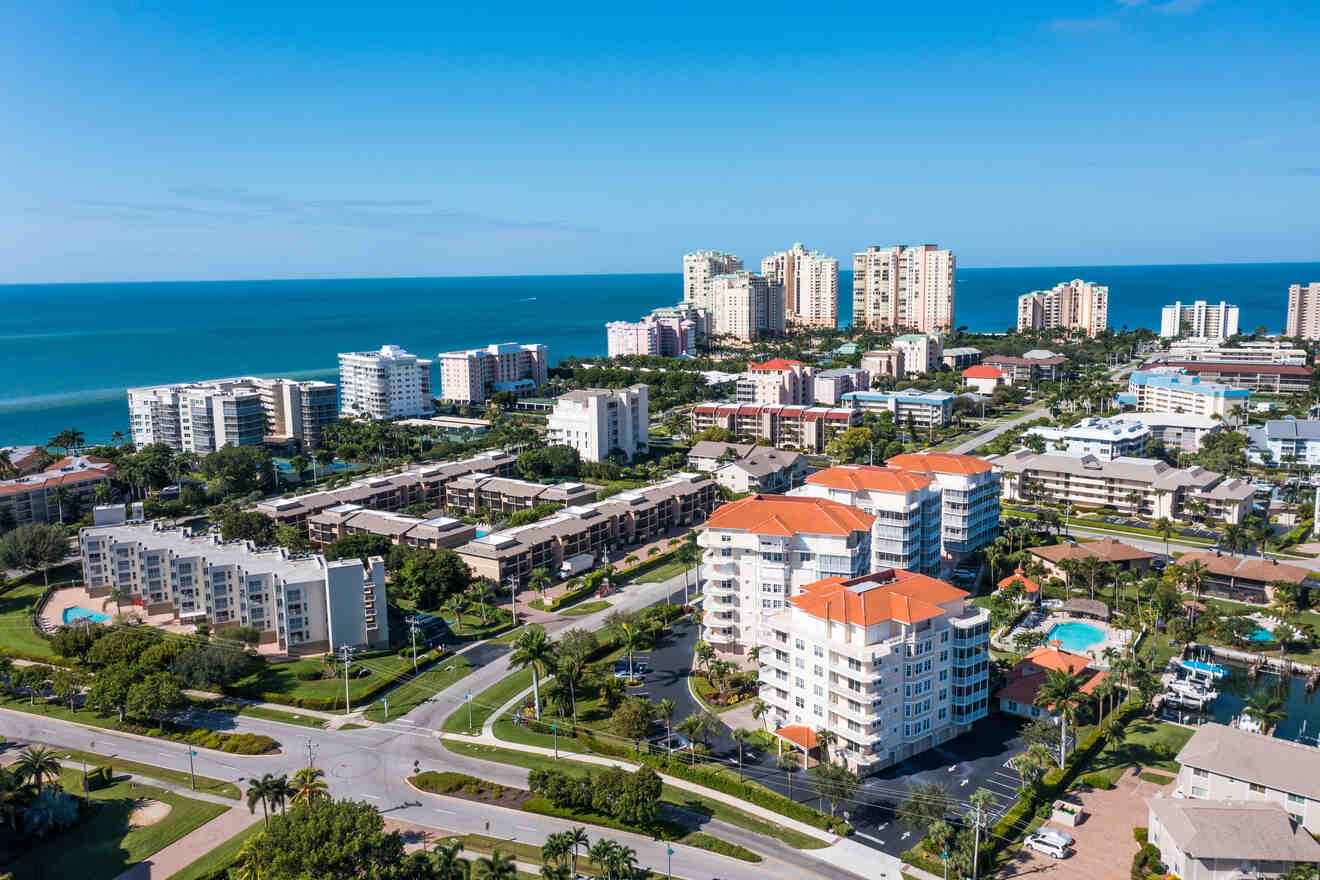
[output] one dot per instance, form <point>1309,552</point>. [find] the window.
<point>818,671</point>
<point>1200,773</point>
<point>800,683</point>
<point>818,650</point>
<point>818,690</point>
<point>1256,789</point>
<point>1297,799</point>
<point>1200,791</point>
<point>799,702</point>
<point>944,637</point>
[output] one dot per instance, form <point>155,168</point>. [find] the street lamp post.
<point>192,773</point>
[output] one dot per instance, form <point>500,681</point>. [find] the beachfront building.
<point>746,467</point>
<point>1200,320</point>
<point>1265,378</point>
<point>1105,438</point>
<point>1182,431</point>
<point>472,375</point>
<point>298,602</point>
<point>1242,578</point>
<point>892,663</point>
<point>807,428</point>
<point>1022,684</point>
<point>904,288</point>
<point>1160,391</point>
<point>1136,486</point>
<point>984,379</point>
<point>699,267</point>
<point>924,408</point>
<point>831,385</point>
<point>601,422</point>
<point>969,489</point>
<point>385,384</point>
<point>33,497</point>
<point>1253,351</point>
<point>426,533</point>
<point>1077,305</point>
<point>197,417</point>
<point>1288,442</point>
<point>961,357</point>
<point>606,530</point>
<point>423,484</point>
<point>624,338</point>
<point>811,286</point>
<point>906,507</point>
<point>746,306</point>
<point>480,493</point>
<point>1227,839</point>
<point>1221,762</point>
<point>1303,311</point>
<point>777,381</point>
<point>884,362</point>
<point>670,331</point>
<point>761,550</point>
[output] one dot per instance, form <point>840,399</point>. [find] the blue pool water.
<point>1260,635</point>
<point>481,533</point>
<point>77,612</point>
<point>1076,637</point>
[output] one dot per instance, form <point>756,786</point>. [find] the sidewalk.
<point>187,849</point>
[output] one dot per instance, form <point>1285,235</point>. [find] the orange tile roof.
<point>890,594</point>
<point>790,515</point>
<point>983,371</point>
<point>1028,585</point>
<point>799,735</point>
<point>776,364</point>
<point>939,463</point>
<point>1105,549</point>
<point>1026,677</point>
<point>857,477</point>
<point>1054,658</point>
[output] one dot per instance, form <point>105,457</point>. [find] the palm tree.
<point>554,872</point>
<point>740,736</point>
<point>1104,694</point>
<point>119,594</point>
<point>576,838</point>
<point>448,866</point>
<point>1061,692</point>
<point>1235,537</point>
<point>760,711</point>
<point>825,738</point>
<point>259,791</point>
<point>629,637</point>
<point>454,606</point>
<point>309,785</point>
<point>1164,528</point>
<point>11,792</point>
<point>7,468</point>
<point>1286,598</point>
<point>496,866</point>
<point>1266,708</point>
<point>538,580</point>
<point>666,711</point>
<point>601,852</point>
<point>1032,764</point>
<point>280,792</point>
<point>689,554</point>
<point>691,727</point>
<point>481,592</point>
<point>533,650</point>
<point>61,495</point>
<point>37,764</point>
<point>555,848</point>
<point>788,762</point>
<point>1193,577</point>
<point>570,670</point>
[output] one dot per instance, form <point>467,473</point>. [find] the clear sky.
<point>245,139</point>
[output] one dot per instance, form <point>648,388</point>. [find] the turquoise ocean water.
<point>70,350</point>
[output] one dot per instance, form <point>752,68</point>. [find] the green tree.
<point>850,446</point>
<point>247,525</point>
<point>533,650</point>
<point>327,838</point>
<point>428,576</point>
<point>1266,708</point>
<point>34,547</point>
<point>834,783</point>
<point>361,545</point>
<point>632,719</point>
<point>924,805</point>
<point>1063,694</point>
<point>38,765</point>
<point>238,470</point>
<point>154,697</point>
<point>496,866</point>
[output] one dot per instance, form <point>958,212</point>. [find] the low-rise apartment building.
<point>1182,431</point>
<point>808,428</point>
<point>1227,839</point>
<point>1107,550</point>
<point>472,375</point>
<point>925,408</point>
<point>759,551</point>
<point>424,484</point>
<point>905,507</point>
<point>1022,683</point>
<point>604,527</point>
<point>984,379</point>
<point>884,362</point>
<point>1037,365</point>
<point>777,381</point>
<point>601,422</point>
<point>1105,438</point>
<point>1255,351</point>
<point>892,663</point>
<point>1162,391</point>
<point>302,602</point>
<point>1261,378</point>
<point>32,498</point>
<point>1136,486</point>
<point>488,493</point>
<point>746,467</point>
<point>961,357</point>
<point>1289,442</point>
<point>386,384</point>
<point>1221,762</point>
<point>1243,578</point>
<point>969,489</point>
<point>425,533</point>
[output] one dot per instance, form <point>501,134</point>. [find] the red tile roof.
<point>983,371</point>
<point>890,594</point>
<point>790,515</point>
<point>858,477</point>
<point>776,364</point>
<point>1025,678</point>
<point>799,735</point>
<point>940,463</point>
<point>1028,585</point>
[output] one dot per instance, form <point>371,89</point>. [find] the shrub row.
<point>49,659</point>
<point>234,743</point>
<point>98,778</point>
<point>702,840</point>
<point>331,704</point>
<point>1146,862</point>
<point>438,782</point>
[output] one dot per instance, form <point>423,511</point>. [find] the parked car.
<point>1051,842</point>
<point>623,670</point>
<point>673,743</point>
<point>1051,603</point>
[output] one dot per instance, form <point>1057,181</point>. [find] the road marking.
<point>882,826</point>
<point>953,769</point>
<point>964,783</point>
<point>906,835</point>
<point>524,828</point>
<point>869,837</point>
<point>374,797</point>
<point>446,812</point>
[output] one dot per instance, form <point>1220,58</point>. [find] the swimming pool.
<point>77,612</point>
<point>1075,636</point>
<point>1260,635</point>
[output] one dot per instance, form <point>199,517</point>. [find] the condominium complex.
<point>970,490</point>
<point>884,362</point>
<point>921,352</point>
<point>811,286</point>
<point>746,306</point>
<point>1199,319</point>
<point>599,422</point>
<point>668,332</point>
<point>1162,391</point>
<point>424,484</point>
<point>1077,305</point>
<point>906,507</point>
<point>631,338</point>
<point>891,663</point>
<point>473,375</point>
<point>960,357</point>
<point>1182,431</point>
<point>605,529</point>
<point>1137,486</point>
<point>490,494</point>
<point>900,288</point>
<point>32,498</point>
<point>808,428</point>
<point>746,467</point>
<point>762,549</point>
<point>830,385</point>
<point>385,384</point>
<point>1303,311</point>
<point>1227,839</point>
<point>198,417</point>
<point>1037,365</point>
<point>1254,351</point>
<point>777,381</point>
<point>427,533</point>
<point>1104,438</point>
<point>297,602</point>
<point>1284,443</point>
<point>699,267</point>
<point>924,408</point>
<point>1267,378</point>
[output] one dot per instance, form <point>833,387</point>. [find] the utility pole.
<point>413,626</point>
<point>311,747</point>
<point>467,698</point>
<point>347,652</point>
<point>513,586</point>
<point>976,845</point>
<point>191,770</point>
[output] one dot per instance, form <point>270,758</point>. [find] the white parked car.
<point>1051,603</point>
<point>1051,842</point>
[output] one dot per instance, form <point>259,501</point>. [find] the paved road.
<point>979,440</point>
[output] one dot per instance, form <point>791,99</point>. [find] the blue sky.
<point>274,140</point>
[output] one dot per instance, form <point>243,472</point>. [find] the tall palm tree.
<point>533,650</point>
<point>496,866</point>
<point>1235,537</point>
<point>570,669</point>
<point>825,738</point>
<point>788,762</point>
<point>448,865</point>
<point>61,495</point>
<point>1062,693</point>
<point>666,712</point>
<point>7,468</point>
<point>1266,708</point>
<point>482,592</point>
<point>309,785</point>
<point>740,736</point>
<point>1193,577</point>
<point>761,712</point>
<point>555,848</point>
<point>1164,528</point>
<point>577,839</point>
<point>38,765</point>
<point>631,638</point>
<point>259,791</point>
<point>1032,764</point>
<point>454,606</point>
<point>601,851</point>
<point>11,792</point>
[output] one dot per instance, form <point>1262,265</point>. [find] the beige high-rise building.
<point>904,288</point>
<point>1304,311</point>
<point>811,286</point>
<point>1075,305</point>
<point>472,375</point>
<point>699,267</point>
<point>747,306</point>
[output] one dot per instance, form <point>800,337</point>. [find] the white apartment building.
<point>906,507</point>
<point>969,488</point>
<point>811,286</point>
<point>699,267</point>
<point>777,381</point>
<point>1076,305</point>
<point>1182,431</point>
<point>295,410</point>
<point>922,352</point>
<point>197,417</point>
<point>473,375</point>
<point>297,601</point>
<point>1104,438</point>
<point>1176,392</point>
<point>1227,839</point>
<point>829,386</point>
<point>679,327</point>
<point>904,288</point>
<point>598,422</point>
<point>1303,311</point>
<point>923,408</point>
<point>1254,351</point>
<point>1199,319</point>
<point>385,384</point>
<point>631,337</point>
<point>31,497</point>
<point>746,306</point>
<point>893,663</point>
<point>761,550</point>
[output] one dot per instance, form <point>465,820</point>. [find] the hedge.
<point>1146,862</point>
<point>98,778</point>
<point>330,704</point>
<point>702,840</point>
<point>1140,835</point>
<point>438,782</point>
<point>1098,780</point>
<point>48,659</point>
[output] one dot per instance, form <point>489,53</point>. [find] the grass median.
<point>486,703</point>
<point>415,691</point>
<point>152,771</point>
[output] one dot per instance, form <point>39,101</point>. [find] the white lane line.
<point>953,769</point>
<point>446,812</point>
<point>869,837</point>
<point>964,783</point>
<point>374,797</point>
<point>524,828</point>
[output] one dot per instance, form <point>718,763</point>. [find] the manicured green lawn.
<point>236,708</point>
<point>16,607</point>
<point>412,693</point>
<point>101,845</point>
<point>662,572</point>
<point>585,608</point>
<point>1139,746</point>
<point>487,702</point>
<point>282,678</point>
<point>151,771</point>
<point>220,857</point>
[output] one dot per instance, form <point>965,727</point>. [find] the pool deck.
<point>1113,636</point>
